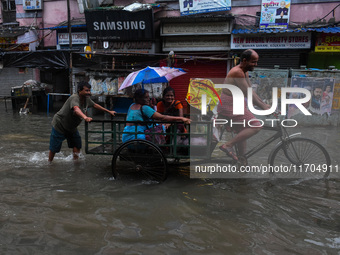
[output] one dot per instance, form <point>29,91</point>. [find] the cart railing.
<point>103,137</point>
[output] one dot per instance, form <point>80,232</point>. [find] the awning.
<point>295,30</point>
<point>58,59</point>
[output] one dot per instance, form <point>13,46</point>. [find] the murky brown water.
<point>77,208</point>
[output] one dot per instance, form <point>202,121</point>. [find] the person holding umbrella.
<point>141,111</point>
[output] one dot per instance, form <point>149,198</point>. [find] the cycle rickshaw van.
<point>147,158</point>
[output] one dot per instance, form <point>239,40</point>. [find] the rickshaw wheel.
<point>139,159</point>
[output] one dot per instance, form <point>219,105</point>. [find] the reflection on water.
<point>78,208</point>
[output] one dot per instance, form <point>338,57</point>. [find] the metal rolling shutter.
<point>284,58</point>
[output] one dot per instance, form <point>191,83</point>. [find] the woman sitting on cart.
<point>168,105</point>
<point>141,111</point>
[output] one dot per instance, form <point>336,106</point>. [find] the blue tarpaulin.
<point>65,27</point>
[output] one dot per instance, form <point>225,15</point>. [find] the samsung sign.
<point>113,25</point>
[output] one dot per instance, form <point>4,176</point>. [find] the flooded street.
<point>78,208</point>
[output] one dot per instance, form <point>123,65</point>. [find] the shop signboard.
<point>196,36</point>
<point>32,5</point>
<point>119,25</point>
<point>201,43</point>
<point>275,14</point>
<point>271,41</point>
<point>197,28</point>
<point>328,43</point>
<point>189,7</point>
<point>129,46</point>
<point>77,38</point>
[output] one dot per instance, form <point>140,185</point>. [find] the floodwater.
<point>78,208</point>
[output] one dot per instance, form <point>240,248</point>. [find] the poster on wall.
<point>274,14</point>
<point>321,89</point>
<point>336,95</point>
<point>188,7</point>
<point>264,80</point>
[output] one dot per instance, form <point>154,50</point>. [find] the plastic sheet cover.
<point>37,59</point>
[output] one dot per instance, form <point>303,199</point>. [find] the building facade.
<point>205,42</point>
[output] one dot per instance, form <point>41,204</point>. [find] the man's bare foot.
<point>229,151</point>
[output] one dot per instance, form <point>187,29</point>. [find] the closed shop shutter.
<point>196,69</point>
<point>284,58</point>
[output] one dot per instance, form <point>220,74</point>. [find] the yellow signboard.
<point>327,48</point>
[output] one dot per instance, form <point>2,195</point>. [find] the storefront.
<point>291,48</point>
<point>15,39</point>
<point>119,42</point>
<point>200,45</point>
<point>40,66</point>
<point>304,57</point>
<point>327,49</point>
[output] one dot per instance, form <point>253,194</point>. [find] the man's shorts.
<point>56,140</point>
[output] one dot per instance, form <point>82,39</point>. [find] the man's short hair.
<point>83,84</point>
<point>246,54</point>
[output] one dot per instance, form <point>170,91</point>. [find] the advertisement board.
<point>32,5</point>
<point>275,14</point>
<point>188,7</point>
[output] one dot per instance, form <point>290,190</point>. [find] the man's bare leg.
<point>50,156</point>
<point>76,153</point>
